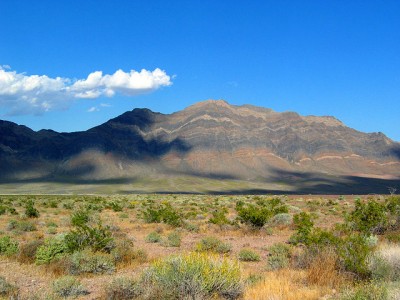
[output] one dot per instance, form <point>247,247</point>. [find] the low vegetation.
<point>200,247</point>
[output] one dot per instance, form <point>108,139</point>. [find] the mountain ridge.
<point>210,139</point>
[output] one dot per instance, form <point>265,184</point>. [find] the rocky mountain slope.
<point>209,139</point>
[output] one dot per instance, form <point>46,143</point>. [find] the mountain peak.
<point>211,138</point>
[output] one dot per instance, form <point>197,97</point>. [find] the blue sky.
<point>339,58</point>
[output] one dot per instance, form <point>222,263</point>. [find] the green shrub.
<point>87,261</point>
<point>80,217</point>
<point>30,210</point>
<point>219,217</point>
<point>98,238</point>
<point>369,217</point>
<point>8,290</point>
<point>173,240</point>
<point>258,215</point>
<point>248,255</point>
<point>393,237</point>
<point>194,276</point>
<point>162,213</point>
<point>354,253</point>
<point>8,246</point>
<point>213,244</point>
<point>304,223</point>
<point>3,210</point>
<point>52,249</point>
<point>115,206</point>
<point>69,286</point>
<point>122,288</point>
<point>279,256</point>
<point>153,237</point>
<point>367,291</point>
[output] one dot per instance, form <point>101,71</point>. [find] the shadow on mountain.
<point>311,183</point>
<point>396,152</point>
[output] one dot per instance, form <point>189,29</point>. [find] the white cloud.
<point>35,94</point>
<point>93,109</point>
<point>105,105</point>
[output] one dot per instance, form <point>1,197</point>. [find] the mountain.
<point>212,140</point>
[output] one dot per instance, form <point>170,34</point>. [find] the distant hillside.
<point>210,139</point>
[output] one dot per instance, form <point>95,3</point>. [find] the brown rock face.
<point>208,139</point>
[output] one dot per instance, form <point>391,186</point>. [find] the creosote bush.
<point>162,213</point>
<point>257,215</point>
<point>30,210</point>
<point>53,248</point>
<point>8,246</point>
<point>369,217</point>
<point>194,276</point>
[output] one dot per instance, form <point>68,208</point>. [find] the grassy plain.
<point>125,236</point>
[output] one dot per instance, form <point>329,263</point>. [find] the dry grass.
<point>323,270</point>
<point>286,284</point>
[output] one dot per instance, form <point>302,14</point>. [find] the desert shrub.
<point>115,206</point>
<point>279,256</point>
<point>192,227</point>
<point>213,244</point>
<point>87,261</point>
<point>3,210</point>
<point>163,213</point>
<point>219,217</point>
<point>68,286</point>
<point>8,246</point>
<point>52,249</point>
<point>385,263</point>
<point>393,206</point>
<point>304,223</point>
<point>173,240</point>
<point>194,276</point>
<point>22,225</point>
<point>369,217</point>
<point>26,226</point>
<point>283,219</point>
<point>27,251</point>
<point>68,206</point>
<point>153,237</point>
<point>353,252</point>
<point>80,217</point>
<point>393,237</point>
<point>371,240</point>
<point>367,291</point>
<point>12,211</point>
<point>123,251</point>
<point>30,210</point>
<point>258,215</point>
<point>248,255</point>
<point>7,290</point>
<point>98,238</point>
<point>122,288</point>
